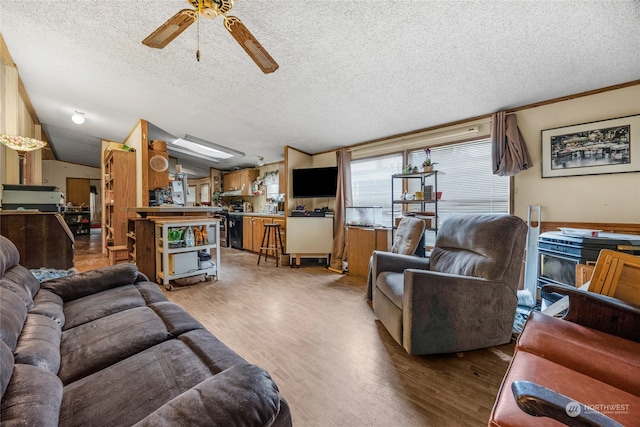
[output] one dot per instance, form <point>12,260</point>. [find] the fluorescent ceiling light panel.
<point>176,149</point>
<point>206,148</point>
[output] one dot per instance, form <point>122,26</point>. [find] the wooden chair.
<point>617,274</point>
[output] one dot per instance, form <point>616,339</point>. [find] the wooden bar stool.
<point>271,232</point>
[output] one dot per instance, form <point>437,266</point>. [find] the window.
<point>466,179</point>
<point>371,182</point>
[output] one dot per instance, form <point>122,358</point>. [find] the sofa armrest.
<point>90,282</point>
<point>243,395</point>
<point>389,261</point>
<point>600,312</point>
<point>540,401</point>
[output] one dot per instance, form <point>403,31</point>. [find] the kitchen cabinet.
<point>253,230</point>
<point>361,242</point>
<point>247,233</point>
<point>120,194</point>
<point>180,261</point>
<point>257,229</point>
<point>239,183</point>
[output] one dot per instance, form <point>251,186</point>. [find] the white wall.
<point>613,198</point>
<point>55,172</point>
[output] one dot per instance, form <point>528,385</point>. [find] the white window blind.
<point>465,179</point>
<point>371,183</point>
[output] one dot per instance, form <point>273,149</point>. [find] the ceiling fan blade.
<point>170,29</point>
<point>250,45</point>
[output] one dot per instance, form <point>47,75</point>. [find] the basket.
<point>157,145</point>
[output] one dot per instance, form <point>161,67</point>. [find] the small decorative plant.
<point>427,161</point>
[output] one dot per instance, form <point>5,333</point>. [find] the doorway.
<point>82,192</point>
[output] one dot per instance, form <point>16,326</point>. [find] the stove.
<point>559,254</point>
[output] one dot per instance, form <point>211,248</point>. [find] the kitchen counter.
<point>144,211</point>
<point>257,214</point>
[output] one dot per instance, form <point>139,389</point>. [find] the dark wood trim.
<point>574,96</point>
<point>484,116</point>
<point>610,227</point>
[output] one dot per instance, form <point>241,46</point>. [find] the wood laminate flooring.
<point>333,361</point>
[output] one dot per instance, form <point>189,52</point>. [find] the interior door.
<point>78,191</point>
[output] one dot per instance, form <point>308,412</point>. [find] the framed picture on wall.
<point>607,146</point>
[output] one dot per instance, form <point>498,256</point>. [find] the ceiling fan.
<point>211,9</point>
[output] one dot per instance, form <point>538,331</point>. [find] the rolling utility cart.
<point>176,260</point>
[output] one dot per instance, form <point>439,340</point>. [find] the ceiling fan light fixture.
<point>77,118</point>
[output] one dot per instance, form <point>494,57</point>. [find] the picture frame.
<point>594,148</point>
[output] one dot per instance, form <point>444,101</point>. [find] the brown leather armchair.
<point>463,296</point>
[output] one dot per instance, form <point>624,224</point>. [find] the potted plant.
<point>427,164</point>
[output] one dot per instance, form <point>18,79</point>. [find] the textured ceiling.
<point>350,71</point>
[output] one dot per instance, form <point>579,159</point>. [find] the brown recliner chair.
<point>463,296</point>
<point>408,239</point>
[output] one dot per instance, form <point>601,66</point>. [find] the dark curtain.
<point>508,148</point>
<point>343,199</point>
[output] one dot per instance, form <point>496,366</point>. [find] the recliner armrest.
<point>600,312</point>
<point>388,261</point>
<point>540,401</point>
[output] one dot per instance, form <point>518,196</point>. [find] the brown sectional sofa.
<point>106,347</point>
<point>591,356</point>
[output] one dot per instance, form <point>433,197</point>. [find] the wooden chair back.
<point>617,274</point>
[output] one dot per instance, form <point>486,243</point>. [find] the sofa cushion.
<point>605,357</point>
<point>12,316</point>
<point>154,377</point>
<point>572,384</point>
<point>24,278</point>
<point>392,285</point>
<point>48,304</point>
<point>92,307</point>
<point>92,346</point>
<point>10,255</point>
<point>19,290</point>
<point>39,343</point>
<point>33,398</point>
<point>6,366</point>
<point>223,399</point>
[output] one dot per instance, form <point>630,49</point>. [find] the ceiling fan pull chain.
<point>198,38</point>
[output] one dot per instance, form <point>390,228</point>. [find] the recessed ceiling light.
<point>78,118</point>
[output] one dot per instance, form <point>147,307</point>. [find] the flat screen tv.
<point>315,182</point>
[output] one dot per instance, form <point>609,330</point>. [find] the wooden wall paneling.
<point>607,227</point>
